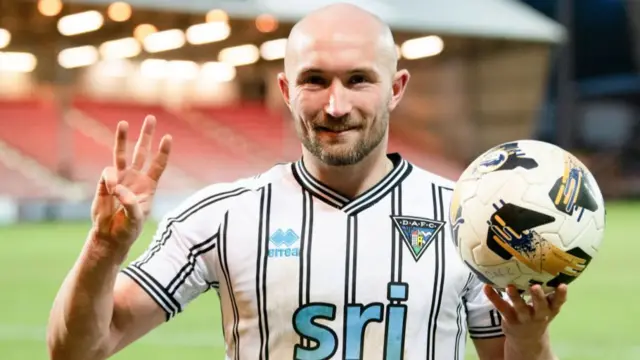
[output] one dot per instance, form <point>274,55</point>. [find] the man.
<point>342,255</point>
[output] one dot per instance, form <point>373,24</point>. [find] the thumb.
<point>108,181</point>
<point>102,202</point>
<point>110,177</point>
<point>102,190</point>
<point>129,202</point>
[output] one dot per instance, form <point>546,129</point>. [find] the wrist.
<point>536,348</point>
<point>101,250</point>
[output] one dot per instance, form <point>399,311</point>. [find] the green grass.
<point>599,321</point>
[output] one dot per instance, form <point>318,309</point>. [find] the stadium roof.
<point>505,19</point>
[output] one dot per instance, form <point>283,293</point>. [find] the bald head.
<point>341,23</point>
<point>341,83</point>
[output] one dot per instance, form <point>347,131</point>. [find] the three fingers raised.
<point>160,161</point>
<point>143,146</point>
<point>142,149</point>
<point>120,146</point>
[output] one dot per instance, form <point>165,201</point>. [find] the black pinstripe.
<point>224,265</point>
<point>195,251</point>
<point>304,277</point>
<point>261,266</point>
<point>157,292</point>
<point>459,309</point>
<point>350,267</point>
<point>438,277</point>
<point>183,216</point>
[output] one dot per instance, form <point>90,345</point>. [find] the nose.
<point>339,103</point>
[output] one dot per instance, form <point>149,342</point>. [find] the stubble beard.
<point>345,154</point>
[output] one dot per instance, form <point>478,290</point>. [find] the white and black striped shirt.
<point>303,272</point>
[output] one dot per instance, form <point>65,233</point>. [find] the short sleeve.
<point>180,262</point>
<point>483,320</point>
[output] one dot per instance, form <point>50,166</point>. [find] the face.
<point>341,94</point>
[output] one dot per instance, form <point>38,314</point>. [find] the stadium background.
<point>484,72</point>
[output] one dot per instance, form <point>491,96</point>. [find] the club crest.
<point>417,233</point>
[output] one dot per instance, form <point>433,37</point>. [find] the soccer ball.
<point>527,212</point>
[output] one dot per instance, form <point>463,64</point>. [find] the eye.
<point>315,80</point>
<point>357,79</point>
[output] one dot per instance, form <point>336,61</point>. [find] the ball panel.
<point>478,274</point>
<point>566,277</point>
<point>570,192</point>
<point>505,157</point>
<point>500,275</point>
<point>467,241</point>
<point>511,234</point>
<point>589,238</point>
<point>599,216</point>
<point>492,185</point>
<point>531,199</point>
<point>486,257</point>
<point>470,234</point>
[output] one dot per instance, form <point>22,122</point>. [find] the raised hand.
<point>125,192</point>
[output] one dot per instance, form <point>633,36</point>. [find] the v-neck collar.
<point>401,168</point>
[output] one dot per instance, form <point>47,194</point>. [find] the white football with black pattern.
<point>527,212</point>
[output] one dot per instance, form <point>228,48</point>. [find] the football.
<point>527,212</point>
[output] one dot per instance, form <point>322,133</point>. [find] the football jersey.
<point>304,272</point>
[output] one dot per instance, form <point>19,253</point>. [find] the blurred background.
<point>483,72</point>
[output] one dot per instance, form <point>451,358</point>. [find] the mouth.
<point>336,130</point>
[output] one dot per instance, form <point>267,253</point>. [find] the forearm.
<point>531,350</point>
<point>81,317</point>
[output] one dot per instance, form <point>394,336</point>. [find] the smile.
<point>333,131</point>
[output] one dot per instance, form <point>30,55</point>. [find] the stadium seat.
<point>16,185</point>
<point>193,153</point>
<point>32,127</point>
<point>269,131</point>
<point>211,144</point>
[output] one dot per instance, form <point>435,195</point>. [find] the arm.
<point>95,312</point>
<point>490,349</point>
<point>98,312</point>
<point>538,349</point>
<point>503,349</point>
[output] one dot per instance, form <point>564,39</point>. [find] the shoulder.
<point>219,196</point>
<point>425,176</point>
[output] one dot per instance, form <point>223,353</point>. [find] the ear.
<point>283,84</point>
<point>399,85</point>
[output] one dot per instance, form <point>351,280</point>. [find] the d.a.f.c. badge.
<point>417,233</point>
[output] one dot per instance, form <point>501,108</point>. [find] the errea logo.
<point>284,244</point>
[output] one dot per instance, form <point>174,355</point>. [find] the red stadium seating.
<point>211,144</point>
<point>197,155</point>
<point>268,131</point>
<point>89,157</point>
<point>16,185</point>
<point>35,129</point>
<point>32,127</point>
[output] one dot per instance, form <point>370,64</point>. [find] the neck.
<point>351,180</point>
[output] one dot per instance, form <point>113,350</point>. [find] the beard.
<point>346,153</point>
